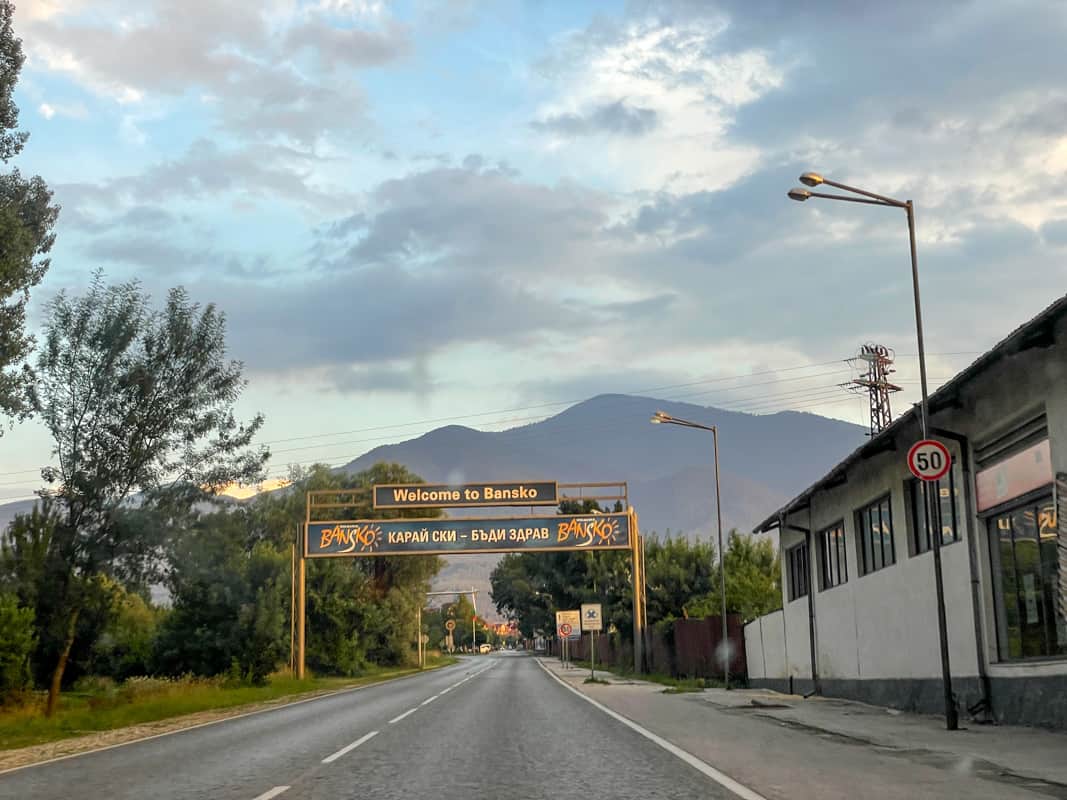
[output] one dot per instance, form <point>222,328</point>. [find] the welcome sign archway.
<point>530,533</point>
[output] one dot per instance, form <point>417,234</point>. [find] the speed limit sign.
<point>450,625</point>
<point>929,460</point>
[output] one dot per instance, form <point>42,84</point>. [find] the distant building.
<point>859,617</point>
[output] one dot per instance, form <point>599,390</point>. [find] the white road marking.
<point>429,700</point>
<point>214,722</point>
<point>277,790</point>
<point>349,748</point>
<point>449,689</point>
<point>407,713</point>
<point>720,778</point>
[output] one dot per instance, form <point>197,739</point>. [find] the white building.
<point>859,616</point>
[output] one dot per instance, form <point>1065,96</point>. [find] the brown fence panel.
<point>696,642</point>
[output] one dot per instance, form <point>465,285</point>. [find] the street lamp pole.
<point>661,417</point>
<point>870,198</point>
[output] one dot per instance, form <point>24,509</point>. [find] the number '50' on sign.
<point>929,460</point>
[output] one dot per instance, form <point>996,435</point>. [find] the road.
<point>490,727</point>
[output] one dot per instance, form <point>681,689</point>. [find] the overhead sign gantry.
<point>337,538</point>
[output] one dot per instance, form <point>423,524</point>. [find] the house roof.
<point>1038,332</point>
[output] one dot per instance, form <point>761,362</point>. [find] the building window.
<point>797,563</point>
<point>874,528</point>
<point>832,556</point>
<point>1024,550</point>
<point>947,494</point>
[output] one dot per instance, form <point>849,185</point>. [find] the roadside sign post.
<point>592,621</point>
<point>568,626</point>
<point>450,625</point>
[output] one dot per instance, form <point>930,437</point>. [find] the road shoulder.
<point>786,747</point>
<point>18,758</point>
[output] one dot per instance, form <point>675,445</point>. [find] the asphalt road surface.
<point>490,727</point>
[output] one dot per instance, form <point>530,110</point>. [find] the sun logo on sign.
<point>369,537</point>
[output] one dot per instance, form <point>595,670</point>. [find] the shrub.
<point>17,641</point>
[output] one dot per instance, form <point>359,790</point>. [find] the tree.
<point>360,610</point>
<point>138,402</point>
<point>753,580</point>
<point>16,645</point>
<point>230,601</point>
<point>27,217</point>
<point>677,572</point>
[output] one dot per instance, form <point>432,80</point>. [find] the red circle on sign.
<point>929,460</point>
<point>565,629</point>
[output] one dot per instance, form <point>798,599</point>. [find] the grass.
<point>107,706</point>
<point>674,685</point>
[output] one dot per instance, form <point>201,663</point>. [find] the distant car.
<point>485,648</point>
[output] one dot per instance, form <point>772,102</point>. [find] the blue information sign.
<point>379,537</point>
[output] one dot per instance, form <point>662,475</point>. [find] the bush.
<point>95,684</point>
<point>17,641</point>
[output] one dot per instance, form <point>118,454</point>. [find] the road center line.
<point>267,795</point>
<point>720,778</point>
<point>429,700</point>
<point>407,713</point>
<point>350,748</point>
<point>449,689</point>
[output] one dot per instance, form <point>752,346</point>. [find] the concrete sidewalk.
<point>836,748</point>
<point>1031,752</point>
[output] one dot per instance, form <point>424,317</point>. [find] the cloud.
<point>243,55</point>
<point>1054,232</point>
<point>613,118</point>
<point>672,88</point>
<point>207,170</point>
<point>68,110</point>
<point>350,47</point>
<point>478,221</point>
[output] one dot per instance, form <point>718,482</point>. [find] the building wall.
<point>876,634</point>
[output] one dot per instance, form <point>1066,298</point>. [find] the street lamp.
<point>814,179</point>
<point>663,418</point>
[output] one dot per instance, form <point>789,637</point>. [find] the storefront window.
<point>1024,551</point>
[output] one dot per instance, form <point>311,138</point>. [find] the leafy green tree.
<point>677,572</point>
<point>230,601</point>
<point>126,644</point>
<point>360,610</point>
<point>531,587</point>
<point>30,568</point>
<point>753,580</point>
<point>17,641</point>
<point>27,217</point>
<point>136,401</point>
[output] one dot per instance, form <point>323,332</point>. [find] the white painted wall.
<point>884,624</point>
<point>765,647</point>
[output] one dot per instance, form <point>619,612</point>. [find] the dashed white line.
<point>429,700</point>
<point>407,713</point>
<point>720,778</point>
<point>349,748</point>
<point>449,689</point>
<point>267,795</point>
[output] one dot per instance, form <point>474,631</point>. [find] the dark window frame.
<point>871,558</point>
<point>1031,500</point>
<point>833,562</point>
<point>919,539</point>
<point>798,564</point>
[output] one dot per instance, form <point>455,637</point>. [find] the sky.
<point>438,211</point>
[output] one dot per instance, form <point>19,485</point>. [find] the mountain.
<point>764,460</point>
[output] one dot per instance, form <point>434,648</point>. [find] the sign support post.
<point>592,655</point>
<point>301,617</point>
